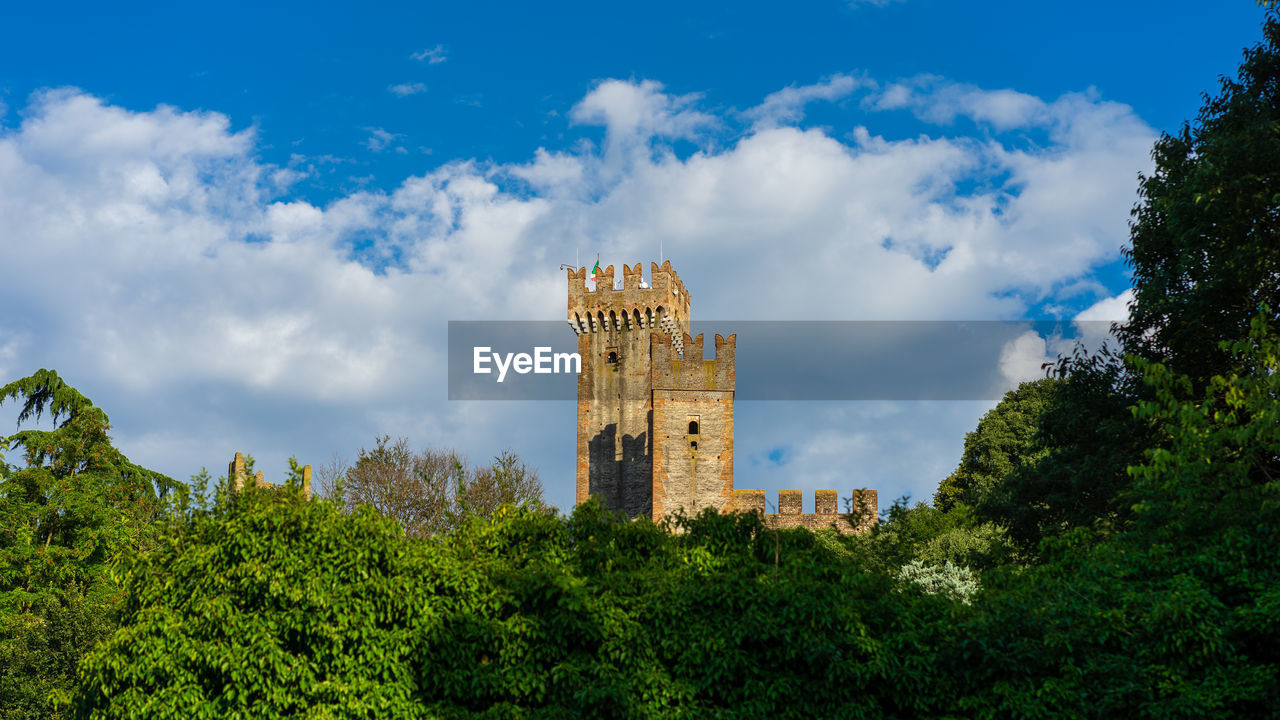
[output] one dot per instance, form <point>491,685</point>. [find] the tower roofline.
<point>662,303</point>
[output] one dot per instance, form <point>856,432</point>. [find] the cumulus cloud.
<point>407,89</point>
<point>1093,324</point>
<point>1023,358</point>
<point>185,270</point>
<point>634,113</point>
<point>1112,309</point>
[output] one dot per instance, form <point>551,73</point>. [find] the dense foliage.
<point>76,504</point>
<point>1205,236</point>
<point>1004,441</point>
<point>272,606</point>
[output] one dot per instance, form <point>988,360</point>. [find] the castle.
<point>655,415</point>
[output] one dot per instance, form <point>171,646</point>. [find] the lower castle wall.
<point>789,513</point>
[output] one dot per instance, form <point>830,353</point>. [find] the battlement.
<point>790,509</point>
<point>239,478</point>
<point>662,304</point>
<point>678,363</point>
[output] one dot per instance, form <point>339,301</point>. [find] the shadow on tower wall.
<point>623,485</point>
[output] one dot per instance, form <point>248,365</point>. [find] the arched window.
<point>613,356</point>
<point>693,427</point>
<point>693,445</point>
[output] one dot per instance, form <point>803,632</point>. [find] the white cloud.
<point>934,100</point>
<point>1093,324</point>
<point>1112,309</point>
<point>787,105</point>
<point>433,56</point>
<point>635,113</point>
<point>379,139</point>
<point>190,293</point>
<point>633,109</point>
<point>1023,358</point>
<point>407,89</point>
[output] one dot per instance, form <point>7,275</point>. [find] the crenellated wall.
<point>826,503</point>
<point>689,369</point>
<point>663,305</point>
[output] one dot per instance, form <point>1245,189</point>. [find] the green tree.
<point>269,606</point>
<point>1085,440</point>
<point>927,535</point>
<point>1175,614</point>
<point>1006,438</point>
<point>434,490</point>
<point>1205,250</point>
<point>76,506</point>
<point>1204,253</point>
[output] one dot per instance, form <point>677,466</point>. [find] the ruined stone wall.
<point>828,513</point>
<point>239,478</point>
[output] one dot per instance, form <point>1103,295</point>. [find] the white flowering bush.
<point>955,581</point>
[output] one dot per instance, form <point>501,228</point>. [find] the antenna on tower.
<point>659,251</point>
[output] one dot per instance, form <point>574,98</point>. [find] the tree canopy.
<point>76,506</point>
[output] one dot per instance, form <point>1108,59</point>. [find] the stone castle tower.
<point>655,418</point>
<point>655,414</point>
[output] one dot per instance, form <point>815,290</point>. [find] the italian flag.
<point>595,271</point>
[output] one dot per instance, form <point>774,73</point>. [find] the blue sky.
<point>244,228</point>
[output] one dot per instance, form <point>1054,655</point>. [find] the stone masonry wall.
<point>614,325</point>
<point>614,405</point>
<point>692,470</point>
<point>238,477</point>
<point>827,513</point>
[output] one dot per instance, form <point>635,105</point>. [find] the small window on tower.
<point>612,357</point>
<point>693,427</point>
<point>693,445</point>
